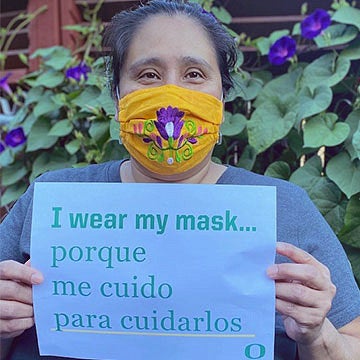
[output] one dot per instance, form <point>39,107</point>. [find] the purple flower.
<point>77,72</point>
<point>4,84</point>
<point>169,122</point>
<point>314,24</point>
<point>2,147</point>
<point>15,137</point>
<point>282,50</point>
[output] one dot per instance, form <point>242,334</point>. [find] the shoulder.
<point>105,172</point>
<point>239,176</point>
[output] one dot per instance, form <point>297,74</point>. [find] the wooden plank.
<point>69,15</point>
<point>44,30</point>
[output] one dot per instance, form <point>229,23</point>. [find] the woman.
<point>171,60</point>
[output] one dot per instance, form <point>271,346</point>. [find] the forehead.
<point>171,36</point>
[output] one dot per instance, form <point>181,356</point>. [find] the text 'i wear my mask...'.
<point>169,129</point>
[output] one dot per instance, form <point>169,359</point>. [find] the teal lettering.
<point>122,322</point>
<point>230,223</point>
<point>255,351</point>
<point>68,288</point>
<point>217,223</point>
<point>183,222</point>
<point>56,223</point>
<point>184,324</point>
<point>203,222</point>
<point>110,221</point>
<point>161,223</point>
<point>96,221</point>
<point>78,220</point>
<point>236,324</point>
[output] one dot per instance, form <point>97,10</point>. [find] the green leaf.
<point>356,141</point>
<point>327,70</point>
<point>352,52</point>
<point>347,15</point>
<point>49,79</point>
<point>13,173</point>
<point>99,129</point>
<point>106,102</point>
<point>59,59</point>
<point>12,193</point>
<point>88,97</point>
<point>45,105</point>
<point>34,95</point>
<point>336,35</point>
<point>263,45</point>
<point>345,173</point>
<point>73,146</point>
<point>325,194</point>
<point>324,130</point>
<point>114,151</point>
<point>351,144</point>
<point>114,130</point>
<point>283,87</point>
<point>279,170</point>
<point>48,161</point>
<point>245,87</point>
<point>61,128</point>
<point>39,137</point>
<point>350,233</point>
<point>222,14</point>
<point>268,124</point>
<point>233,124</point>
<point>247,158</point>
<point>49,51</point>
<point>6,158</point>
<point>24,59</point>
<point>314,101</point>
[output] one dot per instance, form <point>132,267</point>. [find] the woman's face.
<point>171,50</point>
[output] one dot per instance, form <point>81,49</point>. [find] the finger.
<point>296,254</point>
<point>302,295</point>
<point>12,270</point>
<point>304,316</point>
<point>13,290</point>
<point>15,310</point>
<point>14,327</point>
<point>306,274</point>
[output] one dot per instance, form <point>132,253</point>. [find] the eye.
<point>194,75</point>
<point>149,75</point>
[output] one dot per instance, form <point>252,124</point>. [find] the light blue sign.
<point>154,271</point>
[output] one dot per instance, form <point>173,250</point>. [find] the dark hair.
<point>120,31</point>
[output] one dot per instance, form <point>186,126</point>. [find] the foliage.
<point>294,112</point>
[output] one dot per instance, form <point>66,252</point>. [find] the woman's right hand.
<point>16,304</point>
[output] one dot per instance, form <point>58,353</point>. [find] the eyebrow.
<point>158,62</point>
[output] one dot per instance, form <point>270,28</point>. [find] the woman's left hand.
<point>304,293</point>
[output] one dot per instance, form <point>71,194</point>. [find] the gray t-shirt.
<point>298,222</point>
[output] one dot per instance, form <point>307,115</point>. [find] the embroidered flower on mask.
<point>314,24</point>
<point>169,123</point>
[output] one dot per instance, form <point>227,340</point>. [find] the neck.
<point>206,173</point>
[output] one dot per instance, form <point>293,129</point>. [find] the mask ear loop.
<point>219,140</point>
<point>117,94</point>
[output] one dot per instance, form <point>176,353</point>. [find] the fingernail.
<point>272,270</point>
<point>36,279</point>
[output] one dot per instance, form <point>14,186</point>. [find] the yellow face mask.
<point>169,129</point>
